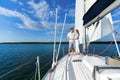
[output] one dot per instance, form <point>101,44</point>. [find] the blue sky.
<point>34,20</point>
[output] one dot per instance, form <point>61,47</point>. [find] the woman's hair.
<point>77,31</point>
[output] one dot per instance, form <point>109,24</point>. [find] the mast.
<point>79,13</point>
<point>85,47</point>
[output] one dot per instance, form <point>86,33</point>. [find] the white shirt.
<point>76,35</point>
<point>71,35</point>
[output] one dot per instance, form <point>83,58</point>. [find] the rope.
<point>63,60</point>
<point>116,44</point>
<point>15,69</point>
<point>117,33</point>
<point>1,76</point>
<point>49,77</point>
<point>35,72</point>
<point>32,77</point>
<point>106,47</point>
<point>61,37</point>
<point>45,65</point>
<point>93,33</point>
<point>44,54</point>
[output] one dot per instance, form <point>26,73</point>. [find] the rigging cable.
<point>115,41</point>
<point>105,48</point>
<point>117,33</point>
<point>96,25</point>
<point>35,72</point>
<point>45,65</point>
<point>61,37</point>
<point>15,69</point>
<point>54,50</point>
<point>32,77</point>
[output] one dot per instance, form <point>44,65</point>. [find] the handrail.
<point>97,69</point>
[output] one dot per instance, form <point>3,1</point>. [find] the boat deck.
<point>77,69</point>
<point>70,68</point>
<point>80,67</point>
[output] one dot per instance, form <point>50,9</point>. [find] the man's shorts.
<point>71,44</point>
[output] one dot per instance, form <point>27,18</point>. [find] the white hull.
<point>80,67</point>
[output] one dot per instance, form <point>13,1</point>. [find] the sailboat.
<point>94,21</point>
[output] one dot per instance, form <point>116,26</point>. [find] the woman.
<point>77,34</point>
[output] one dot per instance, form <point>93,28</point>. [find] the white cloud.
<point>23,9</point>
<point>14,0</point>
<point>59,27</point>
<point>20,26</point>
<point>20,3</point>
<point>47,25</point>
<point>27,22</point>
<point>44,13</point>
<point>116,10</point>
<point>51,25</point>
<point>30,24</point>
<point>116,14</point>
<point>71,12</point>
<point>116,22</point>
<point>42,10</point>
<point>59,8</point>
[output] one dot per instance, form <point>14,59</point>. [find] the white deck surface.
<point>71,68</point>
<point>71,71</point>
<point>110,74</point>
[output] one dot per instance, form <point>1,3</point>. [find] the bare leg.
<point>75,49</point>
<point>68,51</point>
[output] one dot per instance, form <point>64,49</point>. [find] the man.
<point>71,37</point>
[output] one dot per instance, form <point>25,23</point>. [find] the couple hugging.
<point>73,37</point>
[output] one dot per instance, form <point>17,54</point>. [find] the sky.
<point>34,20</point>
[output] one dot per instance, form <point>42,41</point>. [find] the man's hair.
<point>71,28</point>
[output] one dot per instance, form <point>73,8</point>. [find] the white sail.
<point>88,4</point>
<point>106,24</point>
<point>79,12</point>
<point>103,29</point>
<point>94,32</point>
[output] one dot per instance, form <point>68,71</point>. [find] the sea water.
<point>13,56</point>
